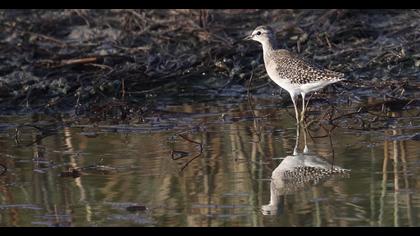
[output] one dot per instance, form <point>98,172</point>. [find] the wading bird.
<point>290,72</point>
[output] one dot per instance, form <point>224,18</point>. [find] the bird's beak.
<point>249,37</point>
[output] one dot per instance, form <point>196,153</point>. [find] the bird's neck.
<point>269,45</point>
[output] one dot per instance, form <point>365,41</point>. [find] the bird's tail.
<point>334,75</point>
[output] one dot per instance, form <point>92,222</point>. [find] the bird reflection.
<point>296,172</point>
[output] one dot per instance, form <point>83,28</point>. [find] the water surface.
<point>204,164</point>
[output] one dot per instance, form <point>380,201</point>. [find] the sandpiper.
<point>290,72</point>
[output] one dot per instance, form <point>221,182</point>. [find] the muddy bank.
<point>122,61</point>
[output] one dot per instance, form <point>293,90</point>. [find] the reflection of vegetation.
<point>397,151</point>
<point>225,186</point>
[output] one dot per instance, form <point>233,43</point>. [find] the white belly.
<point>297,89</point>
<point>293,89</point>
<point>315,86</point>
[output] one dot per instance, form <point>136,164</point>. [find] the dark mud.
<point>119,64</point>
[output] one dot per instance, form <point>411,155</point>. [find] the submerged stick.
<point>196,156</point>
<point>4,169</point>
<point>184,154</point>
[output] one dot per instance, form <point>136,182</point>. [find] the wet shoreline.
<point>79,61</point>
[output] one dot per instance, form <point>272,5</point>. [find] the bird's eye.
<point>259,33</point>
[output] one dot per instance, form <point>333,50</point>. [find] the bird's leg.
<point>295,150</point>
<point>303,108</point>
<point>296,110</point>
<point>305,149</point>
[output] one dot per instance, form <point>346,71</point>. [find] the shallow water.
<point>152,173</point>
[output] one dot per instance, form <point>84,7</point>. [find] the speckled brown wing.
<point>298,71</point>
<point>306,174</point>
<point>301,177</point>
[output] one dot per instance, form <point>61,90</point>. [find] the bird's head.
<point>261,34</point>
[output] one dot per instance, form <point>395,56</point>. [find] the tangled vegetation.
<point>84,61</point>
